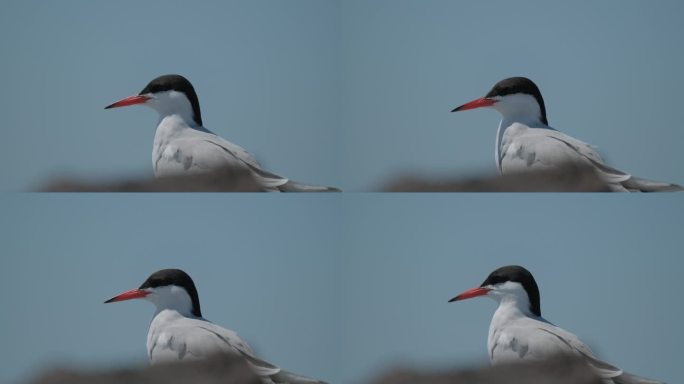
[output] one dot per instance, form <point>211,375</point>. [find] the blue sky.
<point>339,287</point>
<point>263,267</point>
<point>609,72</point>
<point>346,93</point>
<point>265,72</point>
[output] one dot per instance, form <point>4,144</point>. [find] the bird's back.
<point>525,149</point>
<point>535,339</point>
<point>529,339</point>
<point>173,337</point>
<point>181,149</point>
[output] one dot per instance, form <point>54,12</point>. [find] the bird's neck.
<point>174,123</point>
<point>522,109</point>
<point>531,119</point>
<point>171,126</point>
<point>172,299</point>
<point>164,316</point>
<point>510,308</point>
<point>176,105</point>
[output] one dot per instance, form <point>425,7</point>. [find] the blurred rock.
<point>231,369</point>
<point>562,370</point>
<point>567,179</point>
<point>224,180</point>
<point>221,369</point>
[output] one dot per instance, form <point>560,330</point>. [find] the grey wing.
<point>589,153</point>
<point>268,371</point>
<point>616,179</point>
<point>603,369</point>
<point>265,178</point>
<point>235,344</point>
<point>188,343</point>
<point>538,149</point>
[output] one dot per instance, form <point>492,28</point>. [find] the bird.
<point>526,142</point>
<point>178,332</point>
<point>519,333</point>
<point>182,145</point>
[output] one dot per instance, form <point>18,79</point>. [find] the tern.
<point>182,145</point>
<point>526,142</point>
<point>519,333</point>
<point>178,332</point>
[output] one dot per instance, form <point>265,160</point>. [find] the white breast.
<point>173,337</point>
<point>181,149</point>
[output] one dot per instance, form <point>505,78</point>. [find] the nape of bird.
<point>182,145</point>
<point>519,333</point>
<point>525,141</point>
<point>178,332</point>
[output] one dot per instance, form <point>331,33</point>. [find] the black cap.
<point>517,274</point>
<point>176,277</point>
<point>514,85</point>
<point>180,84</point>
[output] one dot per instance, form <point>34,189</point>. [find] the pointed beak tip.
<point>131,100</point>
<point>128,295</point>
<point>469,294</point>
<point>477,103</point>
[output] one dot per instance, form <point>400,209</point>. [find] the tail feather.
<point>274,183</point>
<point>292,186</point>
<point>285,377</point>
<point>628,378</point>
<point>636,184</point>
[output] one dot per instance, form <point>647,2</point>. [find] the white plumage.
<point>178,332</point>
<point>525,142</point>
<point>518,332</point>
<point>182,145</point>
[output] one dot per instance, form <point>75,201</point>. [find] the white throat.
<point>172,104</point>
<point>519,108</point>
<point>512,299</point>
<point>172,298</point>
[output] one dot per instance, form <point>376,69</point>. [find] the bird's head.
<point>167,289</point>
<point>516,98</point>
<point>513,284</point>
<point>168,95</point>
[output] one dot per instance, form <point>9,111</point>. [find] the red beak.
<point>477,103</point>
<point>131,100</point>
<point>469,294</point>
<point>128,295</point>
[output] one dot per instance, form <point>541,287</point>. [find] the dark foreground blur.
<point>560,370</point>
<point>233,370</point>
<point>223,180</point>
<point>220,369</point>
<point>566,179</point>
<point>569,179</point>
